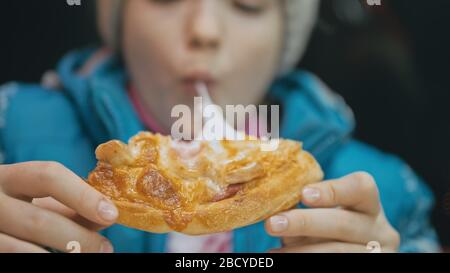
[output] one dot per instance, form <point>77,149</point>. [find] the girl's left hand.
<point>345,215</point>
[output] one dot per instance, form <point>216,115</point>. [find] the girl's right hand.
<point>43,204</point>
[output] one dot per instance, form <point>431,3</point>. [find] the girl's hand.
<point>345,215</point>
<point>45,204</point>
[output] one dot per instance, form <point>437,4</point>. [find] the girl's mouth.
<point>190,81</point>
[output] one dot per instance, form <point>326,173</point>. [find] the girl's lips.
<point>189,85</point>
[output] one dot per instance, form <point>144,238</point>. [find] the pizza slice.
<point>199,187</point>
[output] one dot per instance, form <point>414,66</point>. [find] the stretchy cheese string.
<point>202,91</point>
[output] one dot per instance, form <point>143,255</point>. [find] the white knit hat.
<point>300,19</point>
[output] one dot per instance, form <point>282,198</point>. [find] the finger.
<point>10,244</point>
<point>329,247</point>
<point>357,191</point>
<point>334,224</point>
<point>32,224</point>
<point>43,179</point>
<point>51,204</point>
<point>301,240</point>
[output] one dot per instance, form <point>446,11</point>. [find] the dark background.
<point>391,63</point>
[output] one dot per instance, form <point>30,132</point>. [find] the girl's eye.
<point>252,7</point>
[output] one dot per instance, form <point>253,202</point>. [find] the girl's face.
<point>232,45</point>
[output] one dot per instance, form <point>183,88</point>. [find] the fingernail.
<point>311,194</point>
<point>107,210</point>
<point>106,247</point>
<point>278,223</point>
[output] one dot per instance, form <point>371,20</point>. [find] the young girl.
<point>156,49</point>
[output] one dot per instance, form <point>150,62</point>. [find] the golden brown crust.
<point>284,173</point>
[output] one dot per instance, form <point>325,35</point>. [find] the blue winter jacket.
<point>65,125</point>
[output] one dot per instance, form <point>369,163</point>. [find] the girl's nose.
<point>204,30</point>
